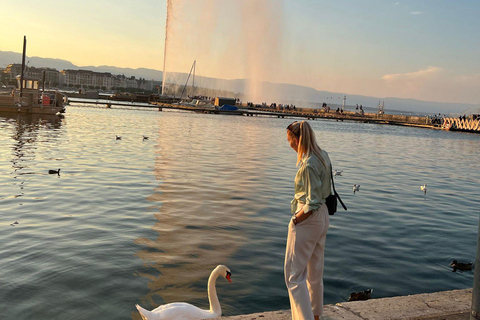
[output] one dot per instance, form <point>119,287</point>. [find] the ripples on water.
<point>131,221</point>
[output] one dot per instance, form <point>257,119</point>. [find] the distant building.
<point>131,83</point>
<point>78,78</point>
<point>88,78</point>
<point>3,78</point>
<point>150,85</point>
<point>52,76</point>
<point>13,70</point>
<point>120,81</point>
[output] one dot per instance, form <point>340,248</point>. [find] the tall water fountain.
<point>229,39</point>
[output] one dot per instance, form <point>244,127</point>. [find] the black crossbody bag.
<point>331,200</point>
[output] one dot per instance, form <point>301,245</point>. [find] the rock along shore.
<point>446,305</point>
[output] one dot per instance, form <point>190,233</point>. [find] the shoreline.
<point>444,305</point>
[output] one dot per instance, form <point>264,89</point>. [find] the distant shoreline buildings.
<point>79,79</point>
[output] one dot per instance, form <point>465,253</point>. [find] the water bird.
<point>118,137</point>
<point>338,172</point>
<point>356,188</point>
<point>13,224</point>
<point>186,311</point>
<point>424,188</point>
<point>362,295</point>
<point>145,138</point>
<point>461,266</point>
<point>54,171</point>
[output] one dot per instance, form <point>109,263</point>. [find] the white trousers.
<point>304,264</point>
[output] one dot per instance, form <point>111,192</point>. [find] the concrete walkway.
<point>446,305</point>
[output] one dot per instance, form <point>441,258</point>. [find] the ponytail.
<point>306,141</point>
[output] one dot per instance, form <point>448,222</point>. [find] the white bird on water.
<point>356,188</point>
<point>424,188</point>
<point>186,311</point>
<point>337,172</point>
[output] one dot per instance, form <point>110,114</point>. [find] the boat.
<point>29,98</point>
<point>33,100</point>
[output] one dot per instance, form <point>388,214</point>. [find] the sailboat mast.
<point>194,66</point>
<point>23,64</point>
<point>185,86</point>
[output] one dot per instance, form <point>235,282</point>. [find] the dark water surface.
<point>132,221</point>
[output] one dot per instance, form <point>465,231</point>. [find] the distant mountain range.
<point>271,92</point>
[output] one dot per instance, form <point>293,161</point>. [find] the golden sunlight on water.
<point>199,219</point>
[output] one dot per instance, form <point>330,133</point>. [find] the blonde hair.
<point>306,141</point>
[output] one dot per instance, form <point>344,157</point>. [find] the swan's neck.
<point>212,295</point>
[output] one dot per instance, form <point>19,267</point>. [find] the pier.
<point>453,124</point>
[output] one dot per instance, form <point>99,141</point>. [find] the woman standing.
<point>307,230</point>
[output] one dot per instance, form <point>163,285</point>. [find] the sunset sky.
<point>427,50</point>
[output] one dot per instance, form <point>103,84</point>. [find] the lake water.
<point>131,221</point>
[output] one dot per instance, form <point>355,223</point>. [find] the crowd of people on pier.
<point>273,105</point>
<point>281,107</point>
<point>438,119</point>
<point>359,110</point>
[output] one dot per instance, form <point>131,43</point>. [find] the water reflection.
<point>201,220</point>
<point>25,134</point>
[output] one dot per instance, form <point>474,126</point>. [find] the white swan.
<point>186,311</point>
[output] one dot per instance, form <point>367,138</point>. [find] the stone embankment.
<point>446,305</point>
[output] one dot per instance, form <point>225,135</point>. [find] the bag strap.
<point>335,191</point>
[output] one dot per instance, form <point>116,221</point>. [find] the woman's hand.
<point>301,216</point>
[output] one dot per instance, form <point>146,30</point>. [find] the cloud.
<point>419,84</point>
<point>433,84</point>
<point>397,3</point>
<point>416,12</point>
<point>417,75</point>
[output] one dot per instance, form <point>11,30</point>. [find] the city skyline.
<point>405,49</point>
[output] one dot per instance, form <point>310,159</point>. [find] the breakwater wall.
<point>443,305</point>
<point>353,116</point>
<point>309,114</point>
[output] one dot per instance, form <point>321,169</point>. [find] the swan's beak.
<point>228,277</point>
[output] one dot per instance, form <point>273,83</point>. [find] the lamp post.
<point>475,313</point>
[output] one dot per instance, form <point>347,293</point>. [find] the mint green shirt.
<point>312,183</point>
